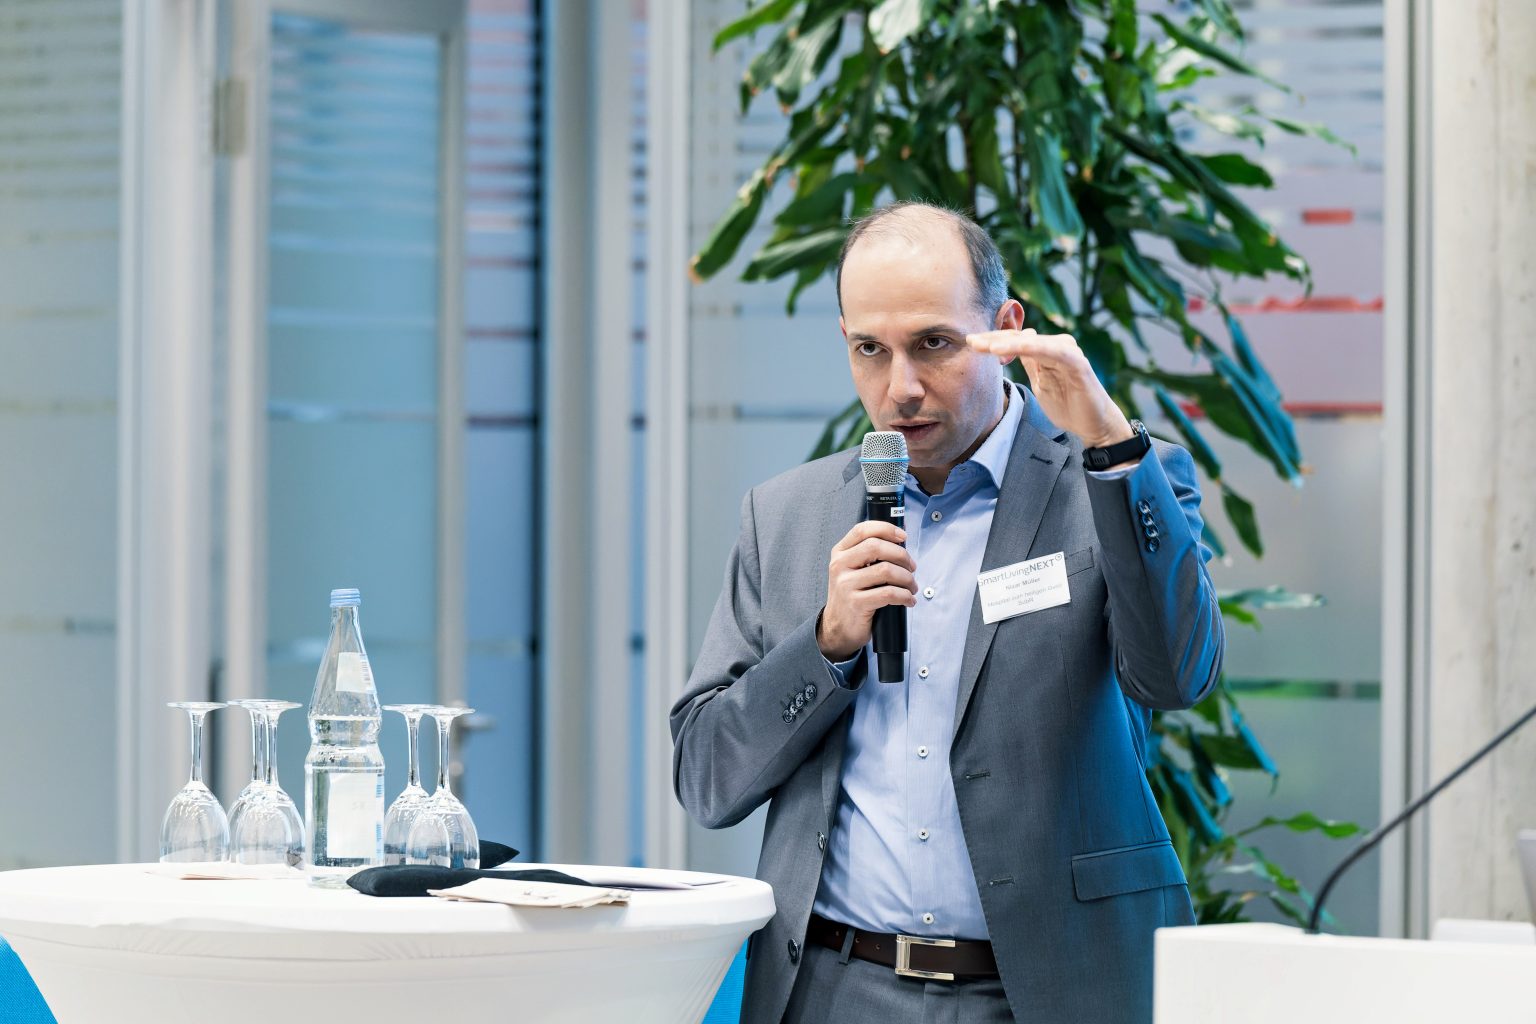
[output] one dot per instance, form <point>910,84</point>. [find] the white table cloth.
<point>114,943</point>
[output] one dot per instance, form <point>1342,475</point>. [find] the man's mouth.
<point>915,432</point>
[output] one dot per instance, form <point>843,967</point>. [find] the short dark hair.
<point>987,268</point>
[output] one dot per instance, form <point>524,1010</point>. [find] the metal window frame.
<point>668,400</point>
<point>165,403</point>
<point>585,408</point>
<point>1407,262</point>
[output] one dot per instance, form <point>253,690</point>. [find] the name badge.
<point>1023,587</point>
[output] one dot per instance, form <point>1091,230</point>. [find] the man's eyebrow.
<point>858,337</point>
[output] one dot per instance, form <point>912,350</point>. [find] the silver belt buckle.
<point>904,944</point>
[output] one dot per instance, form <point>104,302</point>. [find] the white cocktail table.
<point>115,943</point>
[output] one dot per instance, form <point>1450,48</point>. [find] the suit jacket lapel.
<point>1038,455</point>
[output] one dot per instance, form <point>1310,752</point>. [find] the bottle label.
<point>353,674</point>
<point>355,805</point>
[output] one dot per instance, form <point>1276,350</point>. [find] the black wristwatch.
<point>1121,451</point>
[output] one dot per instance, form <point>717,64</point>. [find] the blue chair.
<point>20,1001</point>
<point>726,1009</point>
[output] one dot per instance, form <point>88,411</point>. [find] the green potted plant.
<point>1056,125</point>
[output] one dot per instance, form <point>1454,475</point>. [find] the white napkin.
<point>224,870</point>
<point>514,893</point>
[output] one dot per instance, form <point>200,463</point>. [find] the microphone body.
<point>883,460</point>
<point>890,626</point>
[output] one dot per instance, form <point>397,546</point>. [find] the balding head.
<point>922,224</point>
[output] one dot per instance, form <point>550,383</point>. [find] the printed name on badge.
<point>1023,587</point>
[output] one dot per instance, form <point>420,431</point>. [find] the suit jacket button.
<point>810,691</point>
<point>799,701</point>
<point>1152,545</point>
<point>789,717</point>
<point>794,951</point>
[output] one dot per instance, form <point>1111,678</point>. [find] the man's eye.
<point>868,348</point>
<point>935,341</point>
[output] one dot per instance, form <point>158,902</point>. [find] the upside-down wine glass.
<point>195,829</point>
<point>443,834</point>
<point>412,801</point>
<point>269,829</point>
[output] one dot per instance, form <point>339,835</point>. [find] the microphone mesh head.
<point>883,458</point>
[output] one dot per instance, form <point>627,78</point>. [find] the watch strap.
<point>1133,447</point>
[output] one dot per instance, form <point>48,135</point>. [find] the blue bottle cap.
<point>349,598</point>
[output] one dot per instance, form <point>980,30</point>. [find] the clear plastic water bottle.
<point>344,772</point>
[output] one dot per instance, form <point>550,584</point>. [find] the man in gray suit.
<point>977,842</point>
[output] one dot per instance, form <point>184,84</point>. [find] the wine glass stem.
<point>443,725</point>
<point>196,718</point>
<point>413,760</point>
<point>257,751</point>
<point>269,744</point>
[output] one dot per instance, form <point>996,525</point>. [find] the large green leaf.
<point>894,20</point>
<point>778,259</point>
<point>1208,49</point>
<point>1049,195</point>
<point>808,54</point>
<point>766,13</point>
<point>826,200</point>
<point>1240,513</point>
<point>1198,446</point>
<point>729,231</point>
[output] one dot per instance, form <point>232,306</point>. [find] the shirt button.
<point>936,515</point>
<point>794,951</point>
<point>821,842</point>
<point>927,919</point>
<point>922,834</point>
<point>922,751</point>
<point>923,672</point>
<point>928,593</point>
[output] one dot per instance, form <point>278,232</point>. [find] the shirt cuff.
<point>1115,474</point>
<point>846,674</point>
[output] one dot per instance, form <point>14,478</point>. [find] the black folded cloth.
<point>416,879</point>
<point>494,854</point>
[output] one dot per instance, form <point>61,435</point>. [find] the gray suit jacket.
<point>1068,849</point>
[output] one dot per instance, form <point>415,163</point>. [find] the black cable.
<point>1381,832</point>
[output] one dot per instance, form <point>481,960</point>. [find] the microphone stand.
<point>1382,831</point>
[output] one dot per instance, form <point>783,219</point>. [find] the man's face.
<point>906,311</point>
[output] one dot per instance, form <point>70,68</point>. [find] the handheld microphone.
<point>883,458</point>
<point>1369,842</point>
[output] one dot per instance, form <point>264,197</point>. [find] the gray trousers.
<point>831,987</point>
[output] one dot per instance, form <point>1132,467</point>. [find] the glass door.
<point>344,409</point>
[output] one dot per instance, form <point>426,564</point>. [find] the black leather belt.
<point>909,955</point>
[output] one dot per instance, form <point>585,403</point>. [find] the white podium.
<point>1272,974</point>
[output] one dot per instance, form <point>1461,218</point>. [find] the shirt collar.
<point>993,454</point>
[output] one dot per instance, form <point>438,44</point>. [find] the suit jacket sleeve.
<point>752,712</point>
<point>1164,619</point>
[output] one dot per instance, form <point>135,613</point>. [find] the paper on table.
<point>224,870</point>
<point>516,893</point>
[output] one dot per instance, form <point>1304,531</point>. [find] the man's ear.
<point>1010,316</point>
<point>842,327</point>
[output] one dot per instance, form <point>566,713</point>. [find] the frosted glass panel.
<point>60,81</point>
<point>352,328</point>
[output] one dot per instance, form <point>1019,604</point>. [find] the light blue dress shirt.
<point>896,860</point>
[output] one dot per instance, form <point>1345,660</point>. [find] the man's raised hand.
<point>1063,381</point>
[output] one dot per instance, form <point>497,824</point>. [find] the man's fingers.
<point>880,574</point>
<point>873,549</point>
<point>1029,344</point>
<point>880,597</point>
<point>871,528</point>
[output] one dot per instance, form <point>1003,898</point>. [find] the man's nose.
<point>906,386</point>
